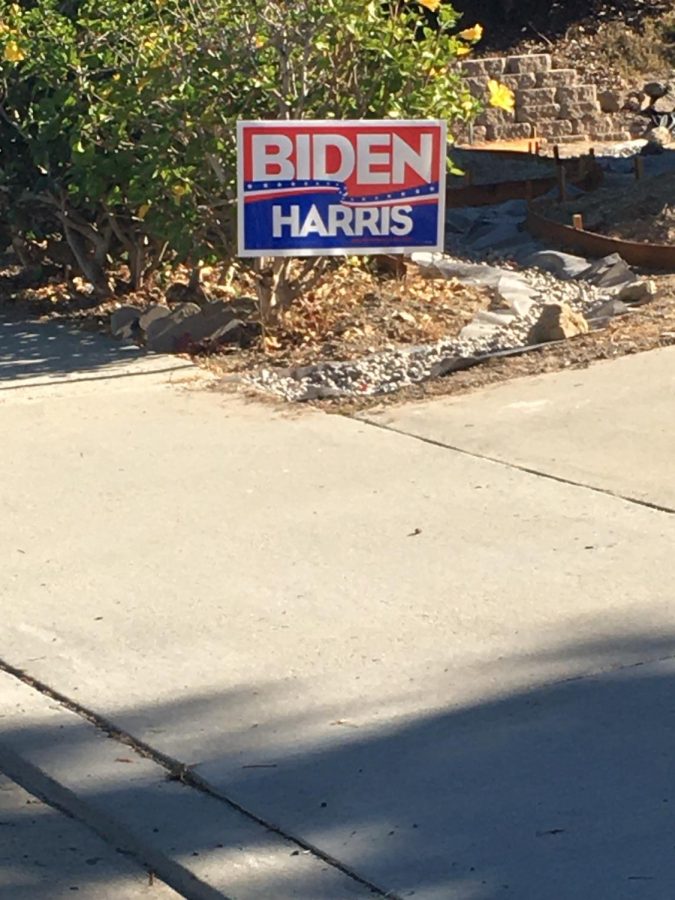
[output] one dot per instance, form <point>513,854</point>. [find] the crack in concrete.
<point>180,772</point>
<point>518,467</point>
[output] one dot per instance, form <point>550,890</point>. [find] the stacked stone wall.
<point>551,104</point>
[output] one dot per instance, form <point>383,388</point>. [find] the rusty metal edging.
<point>582,172</point>
<point>635,253</point>
<point>498,192</point>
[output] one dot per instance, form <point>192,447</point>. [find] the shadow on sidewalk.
<point>51,350</point>
<point>564,791</point>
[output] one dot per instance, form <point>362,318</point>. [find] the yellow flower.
<point>15,9</point>
<point>501,96</point>
<point>259,41</point>
<point>431,4</point>
<point>4,28</point>
<point>472,34</point>
<point>179,190</point>
<point>13,53</point>
<point>462,50</point>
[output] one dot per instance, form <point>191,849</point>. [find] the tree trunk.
<point>273,287</point>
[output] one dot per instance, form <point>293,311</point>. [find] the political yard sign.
<point>320,188</point>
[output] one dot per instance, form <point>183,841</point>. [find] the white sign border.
<point>330,251</point>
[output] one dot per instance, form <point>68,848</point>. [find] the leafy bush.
<point>117,118</point>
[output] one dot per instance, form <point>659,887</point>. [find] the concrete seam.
<point>183,773</point>
<point>560,479</point>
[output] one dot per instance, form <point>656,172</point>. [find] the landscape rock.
<point>637,291</point>
<point>610,101</point>
<point>659,138</point>
<point>180,292</point>
<point>557,322</point>
<point>164,332</point>
<point>151,314</point>
<point>533,62</point>
<point>124,322</point>
<point>655,89</point>
<point>607,310</point>
<point>191,324</point>
<point>244,307</point>
<point>665,104</point>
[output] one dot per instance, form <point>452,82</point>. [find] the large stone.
<point>190,324</point>
<point>655,89</point>
<point>535,62</point>
<point>660,138</point>
<point>536,114</point>
<point>557,78</point>
<point>244,307</point>
<point>579,109</point>
<point>535,96</point>
<point>610,101</point>
<point>557,322</point>
<point>639,290</point>
<point>163,334</point>
<point>580,93</point>
<point>520,82</point>
<point>151,314</point>
<point>494,117</point>
<point>592,125</point>
<point>493,67</point>
<point>512,132</point>
<point>124,322</point>
<point>554,129</point>
<point>665,104</point>
<point>517,131</point>
<point>477,87</point>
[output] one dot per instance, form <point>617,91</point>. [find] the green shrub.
<point>117,118</point>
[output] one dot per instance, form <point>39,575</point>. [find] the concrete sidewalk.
<point>611,426</point>
<point>45,855</point>
<point>447,675</point>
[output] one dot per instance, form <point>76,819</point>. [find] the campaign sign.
<point>318,188</point>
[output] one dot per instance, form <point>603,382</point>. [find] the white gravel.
<point>391,370</point>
